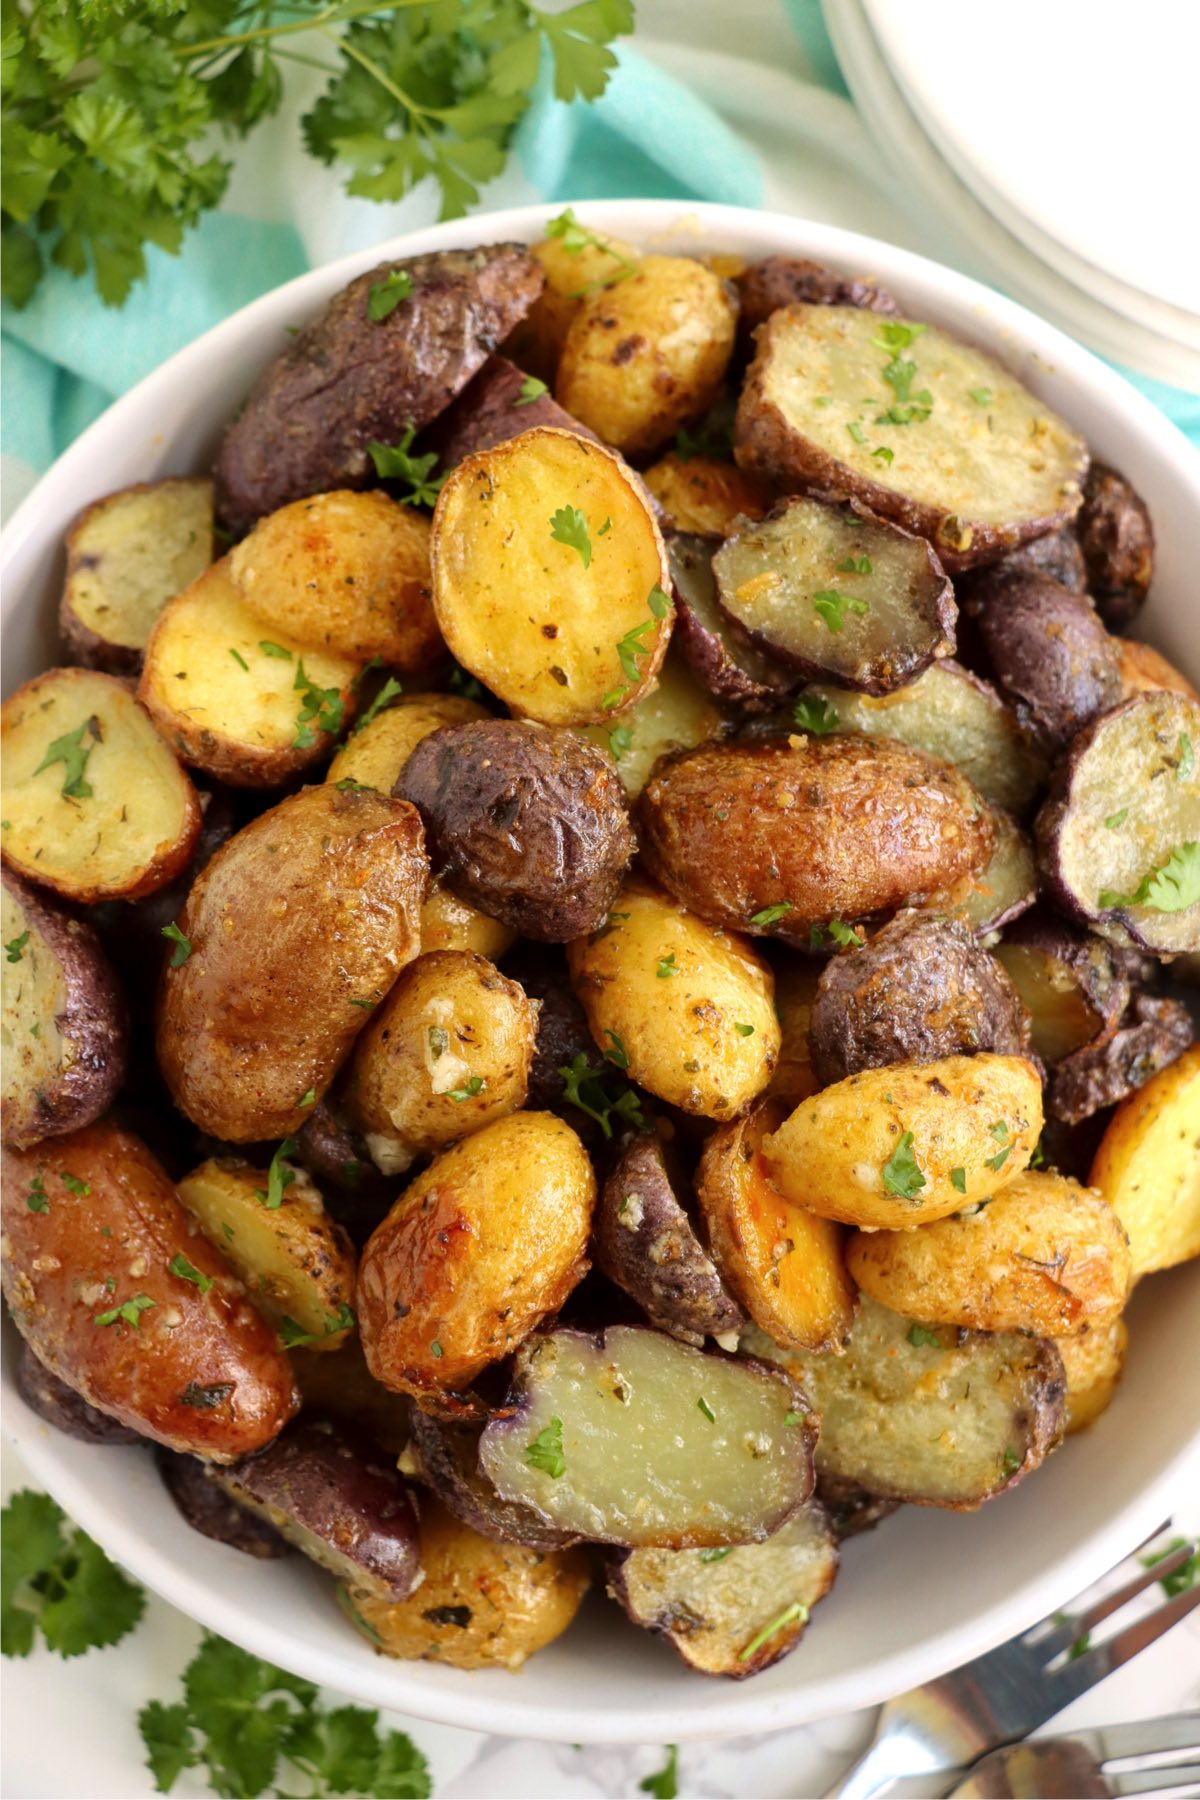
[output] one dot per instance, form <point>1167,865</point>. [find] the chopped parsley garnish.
<point>275,650</point>
<point>791,1614</point>
<point>58,1582</point>
<point>666,968</point>
<point>1011,1462</point>
<point>1169,888</point>
<point>187,1271</point>
<point>714,437</point>
<point>183,946</point>
<point>604,529</point>
<point>436,1349</point>
<point>280,1176</point>
<point>240,660</point>
<point>384,296</point>
<point>309,1098</point>
<point>664,1783</point>
<point>619,740</point>
<point>856,565</point>
<point>771,915</point>
<point>393,462</point>
<point>707,1410</point>
<point>718,1554</point>
<point>37,1199</point>
<point>531,389</point>
<point>1186,1576</point>
<point>15,946</point>
<point>618,1055</point>
<point>794,1418</point>
<point>460,682</point>
<point>630,647</point>
<point>918,1337</point>
<point>585,1089</point>
<point>856,432</point>
<point>390,691</point>
<point>958,1179</point>
<point>901,1172</point>
<point>1117,819</point>
<point>1001,1134</point>
<point>577,238</point>
<point>546,1451</point>
<point>885,455</point>
<point>474,1086</point>
<point>438,1039</point>
<point>569,526</point>
<point>348,785</point>
<point>70,751</point>
<point>130,1311</point>
<point>73,1185</point>
<point>813,714</point>
<point>1187,758</point>
<point>843,935</point>
<point>982,396</point>
<point>294,1337</point>
<point>833,607</point>
<point>743,1030</point>
<point>322,707</point>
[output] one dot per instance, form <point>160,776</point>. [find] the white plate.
<point>930,1589</point>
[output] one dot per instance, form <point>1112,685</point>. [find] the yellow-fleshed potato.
<point>676,715</point>
<point>642,356</point>
<point>486,1242</point>
<point>375,755</point>
<point>575,263</point>
<point>698,493</point>
<point>447,1052</point>
<point>1093,1359</point>
<point>343,572</point>
<point>480,1604</point>
<point>795,992</point>
<point>448,923</point>
<point>297,1262</point>
<point>785,1264</point>
<point>95,805</point>
<point>1148,1166</point>
<point>244,703</point>
<point>684,1007</point>
<point>550,577</point>
<point>895,1147</point>
<point>1045,1255</point>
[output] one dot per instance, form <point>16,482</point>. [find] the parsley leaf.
<point>546,1451</point>
<point>585,1089</point>
<point>771,915</point>
<point>918,1337</point>
<point>384,296</point>
<point>575,237</point>
<point>666,967</point>
<point>531,389</point>
<point>130,1312</point>
<point>630,647</point>
<point>474,1086</point>
<point>958,1179</point>
<point>15,946</point>
<point>322,707</point>
<point>70,751</point>
<point>664,1783</point>
<point>620,738</point>
<point>1115,820</point>
<point>901,1172</point>
<point>790,1614</point>
<point>37,1199</point>
<point>183,946</point>
<point>394,463</point>
<point>187,1271</point>
<point>569,526</point>
<point>280,1176</point>
<point>1171,887</point>
<point>744,1030</point>
<point>55,1579</point>
<point>1187,758</point>
<point>390,691</point>
<point>815,715</point>
<point>833,607</point>
<point>275,650</point>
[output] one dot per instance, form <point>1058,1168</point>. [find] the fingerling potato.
<point>698,493</point>
<point>1148,1169</point>
<point>448,923</point>
<point>1117,540</point>
<point>445,1456</point>
<point>575,263</point>
<point>376,751</point>
<point>893,1148</point>
<point>212,1512</point>
<point>1055,663</point>
<point>1093,1359</point>
<point>59,1405</point>
<point>1154,1034</point>
<point>120,1298</point>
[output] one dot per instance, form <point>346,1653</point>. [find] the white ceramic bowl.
<point>928,1590</point>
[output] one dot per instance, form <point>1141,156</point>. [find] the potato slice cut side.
<point>1148,1170</point>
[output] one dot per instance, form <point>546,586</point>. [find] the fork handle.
<point>886,1761</point>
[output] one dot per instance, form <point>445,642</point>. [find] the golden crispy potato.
<point>119,1297</point>
<point>550,578</point>
<point>642,356</point>
<point>95,805</point>
<point>783,1263</point>
<point>1045,1255</point>
<point>480,1605</point>
<point>448,923</point>
<point>256,1018</point>
<point>476,1251</point>
<point>572,266</point>
<point>297,1262</point>
<point>447,1052</point>
<point>698,493</point>
<point>340,1386</point>
<point>795,994</point>
<point>1093,1359</point>
<point>677,714</point>
<point>246,704</point>
<point>1145,670</point>
<point>343,572</point>
<point>685,1008</point>
<point>374,754</point>
<point>1148,1168</point>
<point>895,1147</point>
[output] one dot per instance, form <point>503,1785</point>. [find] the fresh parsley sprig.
<point>1170,887</point>
<point>394,462</point>
<point>55,1580</point>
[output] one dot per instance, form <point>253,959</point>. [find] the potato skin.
<point>783,280</point>
<point>259,1014</point>
<point>1093,1360</point>
<point>475,1252</point>
<point>1053,659</point>
<point>530,825</point>
<point>447,1459</point>
<point>1117,541</point>
<point>482,1605</point>
<point>1044,1256</point>
<point>829,1156</point>
<point>837,827</point>
<point>51,1399</point>
<point>375,755</point>
<point>1099,1075</point>
<point>677,1034</point>
<point>921,989</point>
<point>201,1371</point>
<point>80,1007</point>
<point>1057,555</point>
<point>1147,1167</point>
<point>700,494</point>
<point>489,411</point>
<point>212,1512</point>
<point>345,380</point>
<point>1145,670</point>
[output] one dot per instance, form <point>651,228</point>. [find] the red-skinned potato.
<point>51,1399</point>
<point>208,1509</point>
<point>126,1304</point>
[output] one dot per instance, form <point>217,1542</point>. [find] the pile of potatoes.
<point>597,938</point>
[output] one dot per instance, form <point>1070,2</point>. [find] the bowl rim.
<point>734,1709</point>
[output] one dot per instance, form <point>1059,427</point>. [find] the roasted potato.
<point>279,1013</point>
<point>896,1147</point>
<point>212,1512</point>
<point>1117,540</point>
<point>338,1385</point>
<point>1044,1256</point>
<point>783,1262</point>
<point>1117,837</point>
<point>732,1441</point>
<point>644,1241</point>
<point>558,608</point>
<point>1093,1360</point>
<point>333,1494</point>
<point>350,379</point>
<point>59,1405</point>
<point>528,825</point>
<point>683,1008</point>
<point>795,991</point>
<point>63,1028</point>
<point>648,352</point>
<point>448,923</point>
<point>127,554</point>
<point>739,1612</point>
<point>118,1298</point>
<point>677,715</point>
<point>838,594</point>
<point>700,494</point>
<point>921,989</point>
<point>448,1051</point>
<point>1148,1170</point>
<point>730,666</point>
<point>346,573</point>
<point>1145,670</point>
<point>786,834</point>
<point>377,749</point>
<point>783,280</point>
<point>500,403</point>
<point>1002,891</point>
<point>562,1035</point>
<point>850,1508</point>
<point>1055,663</point>
<point>937,1417</point>
<point>445,1457</point>
<point>575,262</point>
<point>975,476</point>
<point>296,1262</point>
<point>481,1605</point>
<point>95,805</point>
<point>1154,1034</point>
<point>234,700</point>
<point>1069,980</point>
<point>1057,555</point>
<point>475,1252</point>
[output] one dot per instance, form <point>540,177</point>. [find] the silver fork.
<point>945,1726</point>
<point>1160,1757</point>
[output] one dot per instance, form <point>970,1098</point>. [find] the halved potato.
<point>1145,670</point>
<point>1093,1359</point>
<point>297,1264</point>
<point>784,1264</point>
<point>445,1456</point>
<point>377,750</point>
<point>577,261</point>
<point>127,555</point>
<point>698,493</point>
<point>729,665</point>
<point>94,803</point>
<point>448,923</point>
<point>896,1147</point>
<point>795,993</point>
<point>550,579</point>
<point>244,703</point>
<point>1003,889</point>
<point>676,714</point>
<point>1070,980</point>
<point>1148,1168</point>
<point>948,445</point>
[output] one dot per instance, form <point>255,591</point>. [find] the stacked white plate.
<point>1051,144</point>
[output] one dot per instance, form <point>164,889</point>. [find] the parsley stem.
<point>336,15</point>
<point>411,106</point>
